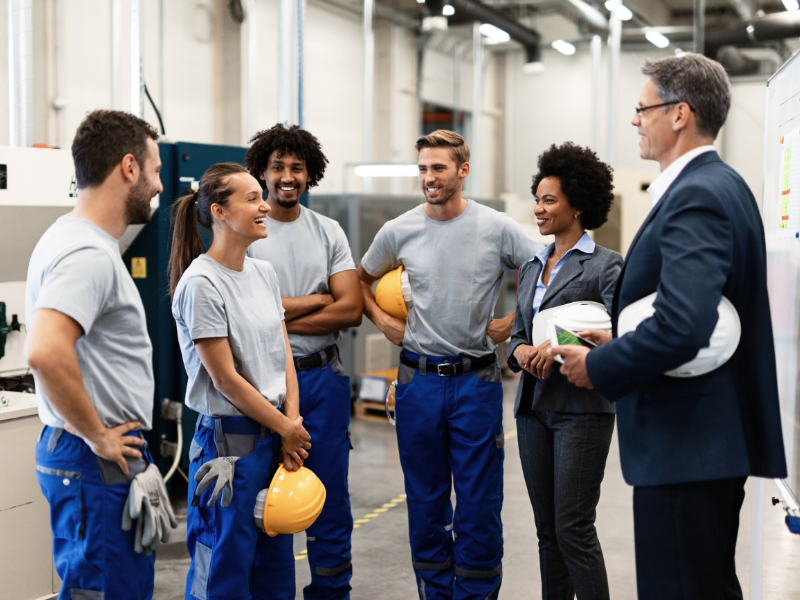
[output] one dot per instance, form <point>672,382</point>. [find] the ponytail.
<point>193,209</point>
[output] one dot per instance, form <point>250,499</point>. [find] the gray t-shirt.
<point>305,254</point>
<point>77,270</point>
<point>455,269</point>
<point>243,306</point>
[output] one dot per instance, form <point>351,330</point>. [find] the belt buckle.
<point>440,373</point>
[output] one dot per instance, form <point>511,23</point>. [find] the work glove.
<point>148,505</point>
<point>222,470</point>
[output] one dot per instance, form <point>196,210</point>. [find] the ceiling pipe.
<point>776,26</point>
<point>477,11</point>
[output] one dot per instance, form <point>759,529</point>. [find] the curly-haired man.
<point>320,294</point>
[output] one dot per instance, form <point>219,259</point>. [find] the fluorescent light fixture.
<point>625,13</point>
<point>387,170</point>
<point>791,4</point>
<point>657,39</point>
<point>590,13</point>
<point>448,10</point>
<point>533,68</point>
<point>420,1</point>
<point>563,47</point>
<point>495,34</point>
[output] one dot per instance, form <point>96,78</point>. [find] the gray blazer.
<point>591,277</point>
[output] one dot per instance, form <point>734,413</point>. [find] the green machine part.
<point>4,329</point>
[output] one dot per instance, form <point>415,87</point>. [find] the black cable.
<point>153,104</point>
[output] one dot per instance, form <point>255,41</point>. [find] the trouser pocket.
<point>62,488</point>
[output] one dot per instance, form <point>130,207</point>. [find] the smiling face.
<point>286,178</point>
<point>245,211</point>
<point>440,177</point>
<point>554,214</point>
<point>654,126</point>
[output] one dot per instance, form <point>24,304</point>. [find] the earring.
<point>576,216</point>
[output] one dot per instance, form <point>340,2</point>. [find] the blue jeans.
<point>231,558</point>
<point>451,428</point>
<point>325,408</point>
<point>87,496</point>
<point>563,460</point>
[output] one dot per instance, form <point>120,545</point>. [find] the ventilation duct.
<point>477,11</point>
<point>777,26</point>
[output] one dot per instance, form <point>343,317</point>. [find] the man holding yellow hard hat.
<point>453,253</point>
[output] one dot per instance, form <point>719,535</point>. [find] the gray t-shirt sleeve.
<point>79,285</point>
<point>203,309</point>
<point>518,247</point>
<point>382,254</point>
<point>341,258</point>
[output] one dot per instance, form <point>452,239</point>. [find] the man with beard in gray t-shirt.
<point>450,398</point>
<point>320,295</point>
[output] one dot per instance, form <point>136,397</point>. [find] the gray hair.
<point>696,80</point>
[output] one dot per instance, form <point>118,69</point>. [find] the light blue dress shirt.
<point>585,244</point>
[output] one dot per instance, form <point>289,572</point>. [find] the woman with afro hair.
<point>564,431</point>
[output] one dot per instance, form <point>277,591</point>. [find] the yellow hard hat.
<point>393,293</point>
<point>292,502</point>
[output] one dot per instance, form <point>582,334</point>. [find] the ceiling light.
<point>420,1</point>
<point>495,34</point>
<point>563,47</point>
<point>448,10</point>
<point>533,68</point>
<point>657,39</point>
<point>791,4</point>
<point>387,170</point>
<point>625,13</point>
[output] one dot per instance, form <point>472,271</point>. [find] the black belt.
<point>315,360</point>
<point>448,369</point>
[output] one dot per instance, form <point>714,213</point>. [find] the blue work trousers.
<point>93,555</point>
<point>450,429</point>
<point>325,408</point>
<point>232,559</point>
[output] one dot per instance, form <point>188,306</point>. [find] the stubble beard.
<point>449,190</point>
<point>137,205</point>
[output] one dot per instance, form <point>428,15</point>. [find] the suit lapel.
<point>571,269</point>
<point>529,289</point>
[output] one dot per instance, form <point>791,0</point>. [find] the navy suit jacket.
<point>703,239</point>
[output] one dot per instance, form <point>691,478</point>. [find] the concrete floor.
<point>381,558</point>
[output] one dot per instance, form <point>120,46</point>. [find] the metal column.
<point>285,41</point>
<point>597,50</point>
<point>369,84</point>
<point>699,25</point>
<point>137,85</point>
<point>614,41</point>
<point>20,73</point>
<point>116,35</point>
<point>251,71</point>
<point>301,23</point>
<point>477,108</point>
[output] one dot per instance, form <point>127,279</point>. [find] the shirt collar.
<point>584,244</point>
<point>661,183</point>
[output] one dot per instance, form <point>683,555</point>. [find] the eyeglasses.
<point>640,109</point>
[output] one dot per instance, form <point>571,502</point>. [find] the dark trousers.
<point>563,460</point>
<point>686,540</point>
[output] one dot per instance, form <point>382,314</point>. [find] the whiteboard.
<point>780,208</point>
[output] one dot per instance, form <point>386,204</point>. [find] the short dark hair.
<point>586,181</point>
<point>444,138</point>
<point>103,138</point>
<point>285,139</point>
<point>697,80</point>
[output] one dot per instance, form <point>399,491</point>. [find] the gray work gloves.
<point>148,505</point>
<point>220,469</point>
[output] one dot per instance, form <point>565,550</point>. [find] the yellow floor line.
<point>389,505</point>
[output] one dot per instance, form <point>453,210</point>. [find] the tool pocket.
<point>63,492</point>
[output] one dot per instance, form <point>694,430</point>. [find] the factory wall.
<point>205,82</point>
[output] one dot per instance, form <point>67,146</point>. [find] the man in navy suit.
<point>687,445</point>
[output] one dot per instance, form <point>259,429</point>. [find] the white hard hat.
<point>723,343</point>
<point>575,316</point>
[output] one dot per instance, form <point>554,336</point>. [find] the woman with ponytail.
<point>242,382</point>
